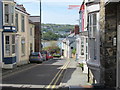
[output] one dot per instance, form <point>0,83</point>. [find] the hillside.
<point>55,31</point>
<point>57,28</point>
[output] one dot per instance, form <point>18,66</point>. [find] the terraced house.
<point>9,33</point>
<point>16,32</point>
<point>82,37</point>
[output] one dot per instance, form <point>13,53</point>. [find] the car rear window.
<point>35,54</point>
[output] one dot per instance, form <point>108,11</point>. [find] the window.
<point>81,22</point>
<point>23,46</point>
<point>12,14</point>
<point>9,45</point>
<point>16,20</point>
<point>92,28</point>
<point>6,13</point>
<point>22,24</point>
<point>13,44</point>
<point>31,31</point>
<point>82,46</point>
<point>92,25</point>
<point>9,13</point>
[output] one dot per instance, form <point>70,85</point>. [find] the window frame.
<point>92,34</point>
<point>10,13</point>
<point>91,25</point>
<point>16,21</point>
<point>31,32</point>
<point>22,23</point>
<point>6,12</point>
<point>82,48</point>
<point>11,44</point>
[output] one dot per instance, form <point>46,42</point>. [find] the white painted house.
<point>18,34</point>
<point>22,40</point>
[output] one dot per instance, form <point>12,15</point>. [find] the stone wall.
<point>108,51</point>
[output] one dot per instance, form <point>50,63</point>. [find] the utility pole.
<point>40,28</point>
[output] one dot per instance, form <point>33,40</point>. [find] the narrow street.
<point>45,75</point>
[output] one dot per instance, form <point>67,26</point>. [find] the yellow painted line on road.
<point>56,76</point>
<point>59,72</point>
<point>60,75</point>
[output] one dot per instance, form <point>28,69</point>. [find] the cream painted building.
<point>31,36</point>
<point>22,39</point>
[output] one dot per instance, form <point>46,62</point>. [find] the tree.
<point>50,36</point>
<point>52,49</point>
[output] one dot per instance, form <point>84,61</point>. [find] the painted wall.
<point>31,37</point>
<point>22,59</point>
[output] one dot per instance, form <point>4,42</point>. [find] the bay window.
<point>9,14</point>
<point>6,13</point>
<point>92,25</point>
<point>92,34</point>
<point>9,45</point>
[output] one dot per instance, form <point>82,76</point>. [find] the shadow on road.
<point>68,75</point>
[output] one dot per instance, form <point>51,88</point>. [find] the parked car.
<point>36,57</point>
<point>56,55</point>
<point>43,55</point>
<point>48,55</point>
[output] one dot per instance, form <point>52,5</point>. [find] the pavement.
<point>74,75</point>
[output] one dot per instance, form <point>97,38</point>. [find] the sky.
<point>53,11</point>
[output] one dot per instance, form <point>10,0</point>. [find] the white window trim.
<point>11,54</point>
<point>91,33</point>
<point>10,15</point>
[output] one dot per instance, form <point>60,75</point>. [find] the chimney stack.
<point>76,30</point>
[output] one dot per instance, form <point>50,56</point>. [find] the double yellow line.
<point>57,76</point>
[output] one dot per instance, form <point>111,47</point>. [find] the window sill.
<point>9,56</point>
<point>93,64</point>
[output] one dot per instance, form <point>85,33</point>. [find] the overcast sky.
<point>54,11</point>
